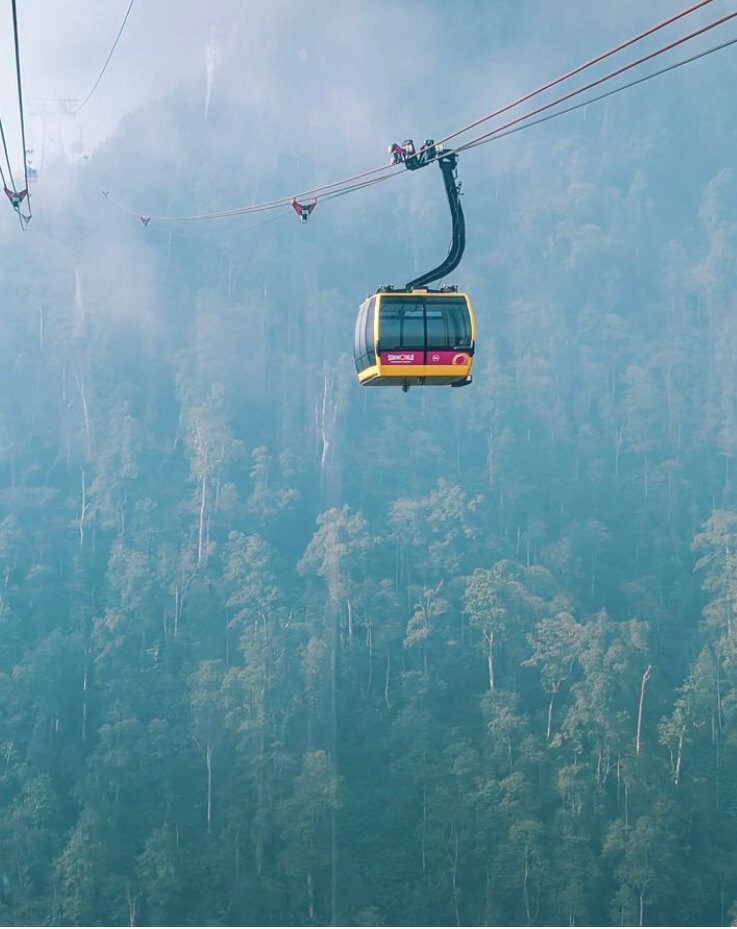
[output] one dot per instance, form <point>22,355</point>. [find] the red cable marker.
<point>303,210</point>
<point>385,172</point>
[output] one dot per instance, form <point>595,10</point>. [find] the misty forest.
<point>276,648</point>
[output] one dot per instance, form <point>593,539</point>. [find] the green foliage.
<point>276,650</point>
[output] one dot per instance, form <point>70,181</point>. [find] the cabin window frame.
<point>364,353</point>
<point>455,314</point>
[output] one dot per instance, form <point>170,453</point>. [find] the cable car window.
<point>369,339</point>
<point>458,321</point>
<point>359,338</point>
<point>401,323</point>
<point>390,327</point>
<point>437,331</point>
<point>357,332</point>
<point>413,328</point>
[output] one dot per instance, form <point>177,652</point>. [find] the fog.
<point>278,649</point>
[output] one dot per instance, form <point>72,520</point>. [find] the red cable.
<point>612,51</point>
<point>391,170</point>
<point>575,71</point>
<point>606,77</point>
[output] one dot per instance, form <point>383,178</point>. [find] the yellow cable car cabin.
<point>409,338</point>
<point>414,336</point>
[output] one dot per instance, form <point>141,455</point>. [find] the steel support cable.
<point>7,160</point>
<point>261,207</point>
<point>391,170</point>
<point>354,187</point>
<point>107,60</point>
<point>483,140</point>
<point>596,60</point>
<point>276,205</point>
<point>532,113</point>
<point>20,106</point>
<point>572,73</point>
<point>2,173</point>
<point>607,77</point>
<point>503,133</point>
<point>10,173</point>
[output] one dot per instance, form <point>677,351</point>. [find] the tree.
<point>305,821</point>
<point>205,700</point>
<point>496,598</point>
<point>555,643</point>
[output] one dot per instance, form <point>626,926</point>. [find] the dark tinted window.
<point>370,327</point>
<point>413,328</point>
<point>458,322</point>
<point>404,322</point>
<point>437,330</point>
<point>401,323</point>
<point>390,327</point>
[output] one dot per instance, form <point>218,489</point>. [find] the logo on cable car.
<point>447,358</point>
<point>404,358</point>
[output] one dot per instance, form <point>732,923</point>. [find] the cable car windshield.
<point>419,323</point>
<point>401,323</point>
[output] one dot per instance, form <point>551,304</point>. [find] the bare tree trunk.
<point>86,415</point>
<point>643,685</point>
<point>261,804</point>
<point>208,761</point>
<point>488,896</point>
<point>489,636</point>
<point>180,592</point>
<point>386,685</point>
<point>642,906</point>
<point>201,534</point>
<point>646,475</point>
<point>454,875</point>
<point>370,643</point>
<point>84,705</point>
<point>550,716</point>
<point>132,901</point>
<point>324,427</point>
<point>423,857</point>
<point>83,508</point>
<point>175,443</point>
<point>350,623</point>
<point>679,755</point>
<point>310,896</point>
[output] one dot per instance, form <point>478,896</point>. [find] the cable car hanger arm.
<point>448,164</point>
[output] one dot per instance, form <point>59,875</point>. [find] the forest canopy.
<point>279,649</point>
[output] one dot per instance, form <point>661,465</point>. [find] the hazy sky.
<point>318,61</point>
